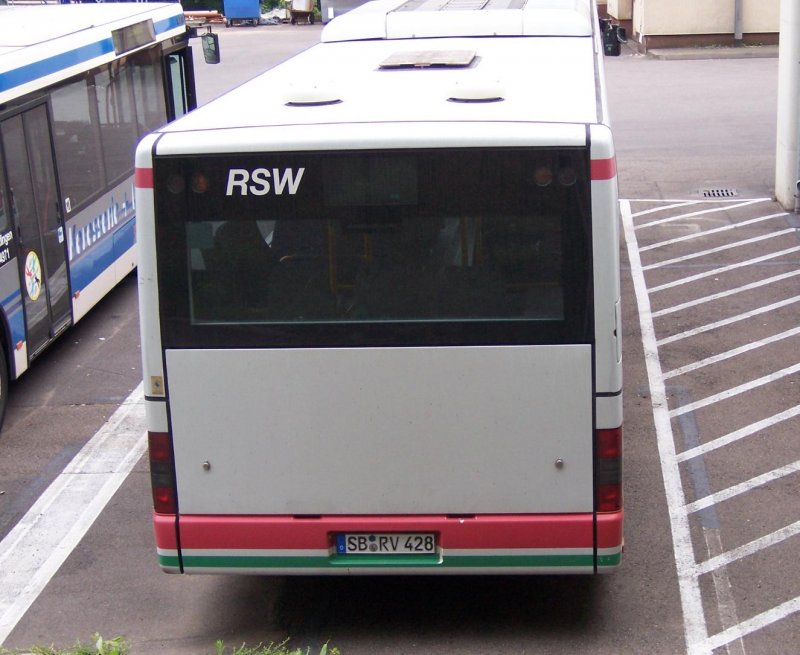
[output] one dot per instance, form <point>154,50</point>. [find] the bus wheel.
<point>3,385</point>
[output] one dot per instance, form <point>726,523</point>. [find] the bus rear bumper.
<point>482,544</point>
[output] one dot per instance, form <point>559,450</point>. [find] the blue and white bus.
<point>79,86</point>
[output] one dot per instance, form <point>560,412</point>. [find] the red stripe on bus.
<point>165,531</point>
<point>143,178</point>
<point>609,529</point>
<point>480,532</point>
<point>604,169</point>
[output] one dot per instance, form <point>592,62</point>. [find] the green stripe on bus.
<point>459,561</point>
<point>169,561</point>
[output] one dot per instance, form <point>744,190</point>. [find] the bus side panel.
<point>93,248</point>
<point>605,234</point>
<point>165,530</point>
<point>610,540</point>
<point>555,543</point>
<point>147,274</point>
<point>11,296</point>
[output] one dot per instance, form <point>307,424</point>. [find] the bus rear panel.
<point>382,348</point>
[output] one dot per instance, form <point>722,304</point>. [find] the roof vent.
<point>477,90</point>
<point>430,59</point>
<point>312,94</point>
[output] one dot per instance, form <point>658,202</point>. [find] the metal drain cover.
<point>718,193</point>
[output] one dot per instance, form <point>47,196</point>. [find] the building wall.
<point>696,22</point>
<point>703,16</point>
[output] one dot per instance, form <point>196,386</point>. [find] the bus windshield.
<point>490,245</point>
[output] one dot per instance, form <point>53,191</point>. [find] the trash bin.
<point>613,37</point>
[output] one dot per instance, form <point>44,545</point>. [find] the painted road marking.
<point>702,212</point>
<point>716,560</point>
<point>694,620</point>
<point>712,251</point>
<point>725,294</point>
<point>733,437</point>
<point>34,550</point>
<point>714,359</point>
<point>724,269</point>
<point>743,487</point>
<point>735,391</point>
<point>749,548</point>
<point>729,321</point>
<point>705,233</point>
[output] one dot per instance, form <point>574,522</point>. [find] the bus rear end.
<point>382,336</point>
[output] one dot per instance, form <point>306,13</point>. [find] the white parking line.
<point>735,391</point>
<point>680,202</point>
<point>725,294</point>
<point>712,251</point>
<point>714,359</point>
<point>753,624</point>
<point>655,210</point>
<point>750,548</point>
<point>724,269</point>
<point>39,544</point>
<point>743,487</point>
<point>741,433</point>
<point>732,631</point>
<point>729,321</point>
<point>694,620</point>
<point>702,212</point>
<point>705,233</point>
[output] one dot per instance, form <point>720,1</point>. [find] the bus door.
<point>36,213</point>
<point>179,79</point>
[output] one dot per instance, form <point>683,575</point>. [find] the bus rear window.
<point>488,246</point>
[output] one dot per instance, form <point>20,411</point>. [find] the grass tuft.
<point>119,646</point>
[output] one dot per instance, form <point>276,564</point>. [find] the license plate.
<point>386,543</point>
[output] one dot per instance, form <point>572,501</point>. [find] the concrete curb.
<point>715,52</point>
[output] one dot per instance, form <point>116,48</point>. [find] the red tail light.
<point>162,473</point>
<point>608,477</point>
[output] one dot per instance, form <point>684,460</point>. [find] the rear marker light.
<point>162,473</point>
<point>608,479</point>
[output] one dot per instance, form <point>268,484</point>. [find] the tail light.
<point>608,478</point>
<point>162,473</point>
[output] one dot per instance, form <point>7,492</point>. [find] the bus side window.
<point>77,141</point>
<point>151,107</point>
<point>118,127</point>
<point>179,72</point>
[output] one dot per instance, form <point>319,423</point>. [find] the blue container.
<point>241,12</point>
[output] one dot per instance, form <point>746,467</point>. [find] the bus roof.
<point>514,80</point>
<point>409,19</point>
<point>42,44</point>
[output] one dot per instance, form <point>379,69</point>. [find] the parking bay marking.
<point>695,627</point>
<point>728,321</point>
<point>716,230</point>
<point>34,550</point>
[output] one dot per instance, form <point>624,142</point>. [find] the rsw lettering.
<point>257,182</point>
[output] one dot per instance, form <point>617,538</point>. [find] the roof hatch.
<point>429,59</point>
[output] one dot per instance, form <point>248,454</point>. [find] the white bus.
<point>79,86</point>
<point>379,294</point>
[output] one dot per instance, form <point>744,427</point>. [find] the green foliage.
<point>100,646</point>
<point>271,649</point>
<point>118,646</point>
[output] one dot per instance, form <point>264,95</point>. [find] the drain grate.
<point>718,193</point>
